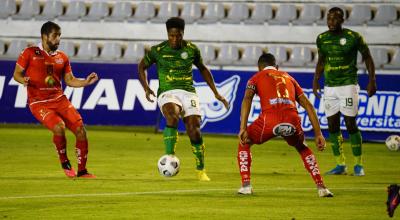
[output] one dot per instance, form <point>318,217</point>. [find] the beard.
<point>52,47</point>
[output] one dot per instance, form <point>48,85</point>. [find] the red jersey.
<point>277,89</point>
<point>45,72</point>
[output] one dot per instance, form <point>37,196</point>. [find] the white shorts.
<point>188,101</point>
<point>342,99</point>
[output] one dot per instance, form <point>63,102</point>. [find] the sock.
<point>310,163</point>
<point>61,146</point>
<point>81,154</point>
<point>244,163</point>
<point>356,143</point>
<point>198,150</point>
<point>336,140</point>
<point>170,139</point>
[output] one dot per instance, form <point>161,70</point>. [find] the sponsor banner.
<point>118,99</point>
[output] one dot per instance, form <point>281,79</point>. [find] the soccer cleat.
<point>246,190</point>
<point>68,170</point>
<point>324,192</point>
<point>359,170</point>
<point>85,174</point>
<point>338,170</point>
<point>202,175</point>
<point>393,198</point>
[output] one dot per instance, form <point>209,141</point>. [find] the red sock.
<point>310,163</point>
<point>81,154</point>
<point>244,163</point>
<point>61,147</point>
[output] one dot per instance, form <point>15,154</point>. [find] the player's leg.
<point>393,199</point>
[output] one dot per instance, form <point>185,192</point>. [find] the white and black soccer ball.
<point>168,165</point>
<point>393,142</point>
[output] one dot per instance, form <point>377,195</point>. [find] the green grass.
<point>33,186</point>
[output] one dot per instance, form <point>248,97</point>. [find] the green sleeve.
<point>150,57</point>
<point>197,57</point>
<point>362,45</point>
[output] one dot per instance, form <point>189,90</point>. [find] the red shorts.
<point>55,111</point>
<point>283,123</point>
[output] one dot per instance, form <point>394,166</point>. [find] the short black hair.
<point>337,9</point>
<point>267,59</point>
<point>48,27</point>
<point>175,22</point>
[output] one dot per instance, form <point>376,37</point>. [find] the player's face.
<point>53,39</point>
<point>175,37</point>
<point>334,21</point>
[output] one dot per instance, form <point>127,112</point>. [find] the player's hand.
<point>223,100</point>
<point>371,88</point>
<point>91,78</point>
<point>316,89</point>
<point>149,92</point>
<point>243,136</point>
<point>320,142</point>
<point>26,81</point>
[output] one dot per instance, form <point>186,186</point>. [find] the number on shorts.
<point>349,101</point>
<point>193,103</point>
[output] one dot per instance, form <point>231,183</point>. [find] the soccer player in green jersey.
<point>337,59</point>
<point>176,95</point>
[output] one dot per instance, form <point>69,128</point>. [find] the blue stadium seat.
<point>191,12</point>
<point>75,10</point>
<point>261,13</point>
<point>9,8</point>
<point>51,10</point>
<point>28,10</point>
<point>120,12</point>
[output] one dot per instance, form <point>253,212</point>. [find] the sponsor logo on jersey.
<point>284,129</point>
<point>184,55</point>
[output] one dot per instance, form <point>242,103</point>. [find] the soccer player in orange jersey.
<point>41,68</point>
<point>278,93</point>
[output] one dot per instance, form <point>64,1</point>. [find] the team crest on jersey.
<point>342,41</point>
<point>211,109</point>
<point>37,52</point>
<point>184,55</point>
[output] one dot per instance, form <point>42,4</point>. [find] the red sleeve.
<point>24,58</point>
<point>252,83</point>
<point>67,65</point>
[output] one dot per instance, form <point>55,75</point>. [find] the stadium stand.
<point>299,57</point>
<point>227,55</point>
<point>133,52</point>
<point>395,61</point>
<point>121,11</point>
<point>237,13</point>
<point>9,8</point>
<point>166,10</point>
<point>359,15</point>
<point>279,52</point>
<point>68,47</point>
<point>28,10</point>
<point>261,13</point>
<point>250,55</point>
<point>385,14</point>
<point>207,52</point>
<point>214,12</point>
<point>285,14</point>
<point>2,48</point>
<point>143,12</point>
<point>311,13</point>
<point>110,51</point>
<point>97,11</point>
<point>191,12</point>
<point>87,51</point>
<point>75,10</point>
<point>14,48</point>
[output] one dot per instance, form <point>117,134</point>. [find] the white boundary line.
<point>182,191</point>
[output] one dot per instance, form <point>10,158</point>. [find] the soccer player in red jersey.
<point>278,93</point>
<point>41,69</point>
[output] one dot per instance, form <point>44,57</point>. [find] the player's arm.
<point>244,113</point>
<point>19,75</point>
<point>369,63</point>
<point>306,104</point>
<point>143,80</point>
<point>72,81</point>
<point>207,76</point>
<point>319,69</point>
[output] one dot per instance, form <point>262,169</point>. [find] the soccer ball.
<point>168,165</point>
<point>393,142</point>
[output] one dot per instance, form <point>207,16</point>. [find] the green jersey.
<point>174,66</point>
<point>340,53</point>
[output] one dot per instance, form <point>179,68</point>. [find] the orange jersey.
<point>277,89</point>
<point>45,72</point>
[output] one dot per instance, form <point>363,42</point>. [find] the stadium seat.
<point>28,10</point>
<point>51,10</point>
<point>110,51</point>
<point>2,47</point>
<point>314,59</point>
<point>250,55</point>
<point>279,52</point>
<point>143,12</point>
<point>299,57</point>
<point>385,14</point>
<point>260,14</point>
<point>380,56</point>
<point>15,48</point>
<point>167,10</point>
<point>134,52</point>
<point>87,50</point>
<point>309,14</point>
<point>395,61</point>
<point>285,14</point>
<point>97,11</point>
<point>191,12</point>
<point>207,52</point>
<point>67,47</point>
<point>228,55</point>
<point>214,12</point>
<point>237,13</point>
<point>359,15</point>
<point>120,12</point>
<point>9,8</point>
<point>75,10</point>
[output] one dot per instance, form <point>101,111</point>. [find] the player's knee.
<point>351,124</point>
<point>80,133</point>
<point>59,129</point>
<point>171,118</point>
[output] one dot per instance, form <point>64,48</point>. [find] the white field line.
<point>182,191</point>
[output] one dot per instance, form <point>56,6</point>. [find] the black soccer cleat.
<point>393,198</point>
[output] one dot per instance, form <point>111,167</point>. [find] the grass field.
<point>33,186</point>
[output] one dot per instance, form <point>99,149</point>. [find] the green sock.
<point>336,140</point>
<point>356,143</point>
<point>198,151</point>
<point>170,139</point>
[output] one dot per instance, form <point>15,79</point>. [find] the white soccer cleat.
<point>324,192</point>
<point>246,190</point>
